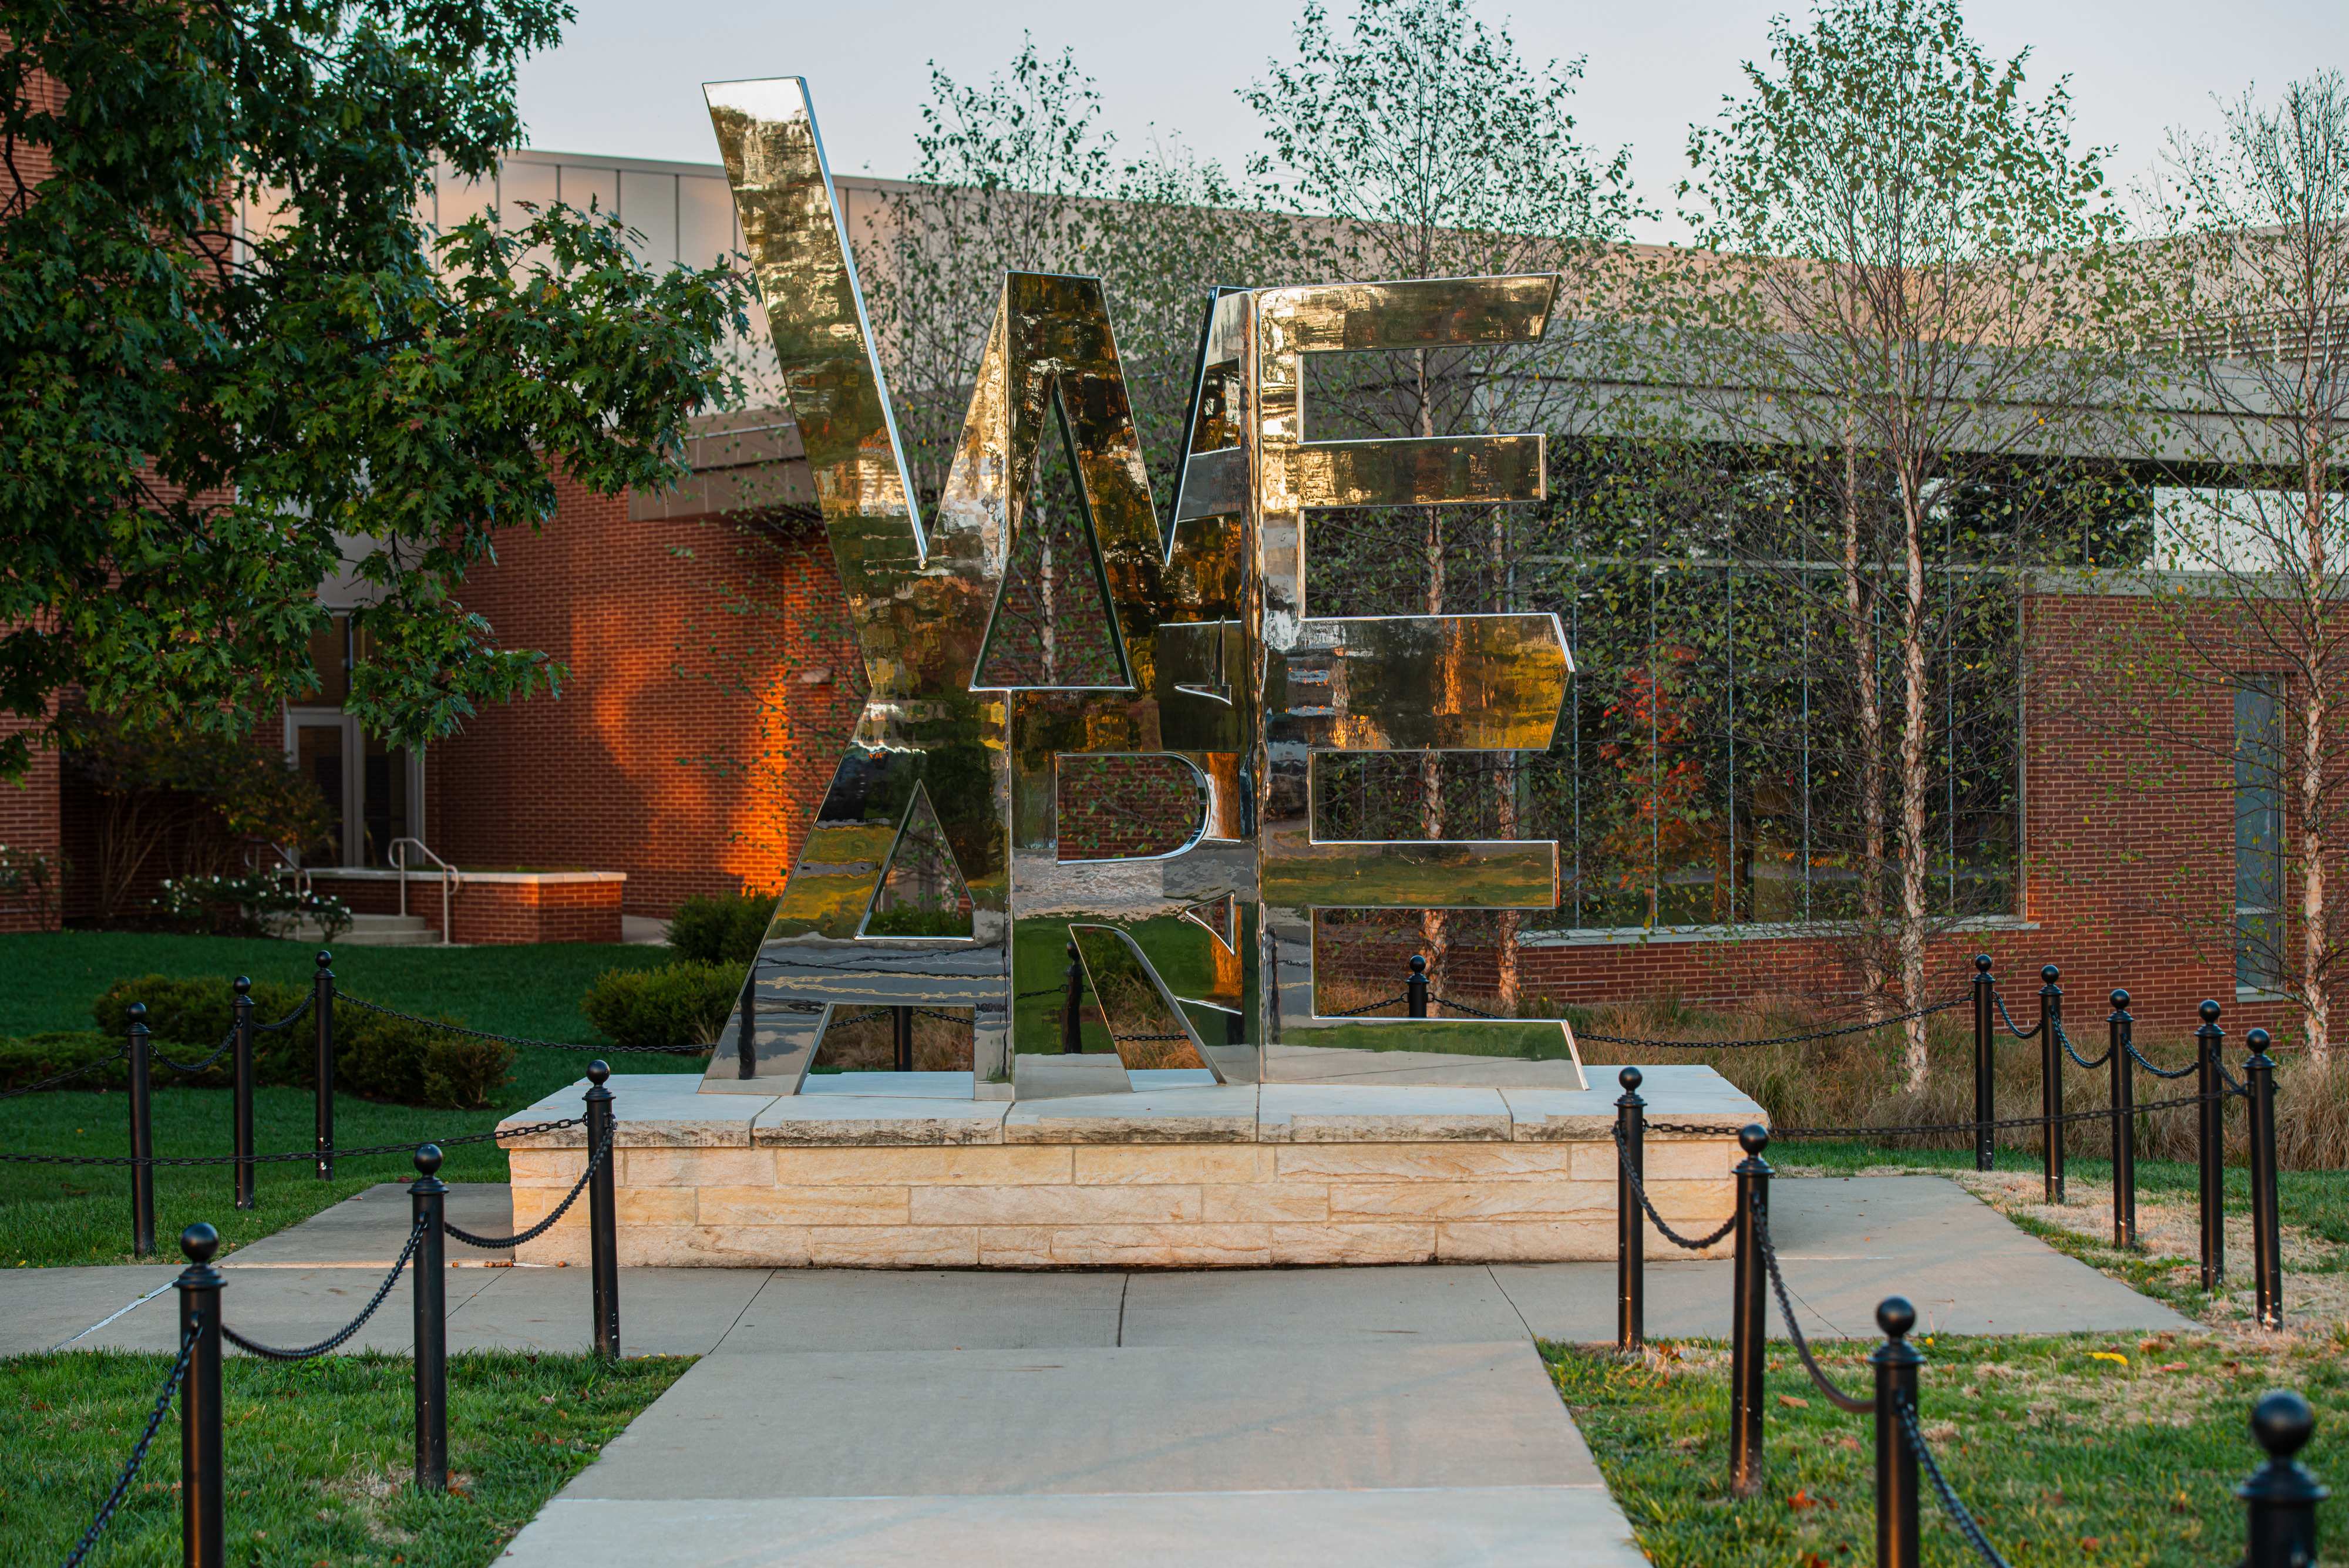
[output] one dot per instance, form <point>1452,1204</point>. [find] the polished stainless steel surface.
<point>1003,800</point>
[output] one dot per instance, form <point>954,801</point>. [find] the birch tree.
<point>1904,282</point>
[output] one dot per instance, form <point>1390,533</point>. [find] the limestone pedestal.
<point>1238,1175</point>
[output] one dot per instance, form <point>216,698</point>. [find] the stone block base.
<point>1183,1178</point>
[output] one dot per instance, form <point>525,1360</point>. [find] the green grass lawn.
<point>53,1215</point>
<point>2098,1448</point>
<point>319,1454</point>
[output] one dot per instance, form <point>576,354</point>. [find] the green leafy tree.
<point>1432,149</point>
<point>234,360</point>
<point>1906,282</point>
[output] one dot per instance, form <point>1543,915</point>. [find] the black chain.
<point>2186,1072</point>
<point>1638,1191</point>
<point>1694,1130</point>
<point>139,1451</point>
<point>515,1040</point>
<point>1948,1494</point>
<point>67,1077</point>
<point>1145,1038</point>
<point>500,1243</point>
<point>191,1069</point>
<point>2065,1040</point>
<point>1835,1396</point>
<point>1369,1007</point>
<point>290,1019</point>
<point>1841,1029</point>
<point>530,1131</point>
<point>2009,1019</point>
<point>2007,1124</point>
<point>272,1353</point>
<point>946,1017</point>
<point>1446,1001</point>
<point>1048,990</point>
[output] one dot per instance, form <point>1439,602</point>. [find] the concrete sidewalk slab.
<point>1486,1527</point>
<point>1426,1304</point>
<point>368,1229</point>
<point>292,1307</point>
<point>48,1309</point>
<point>864,1309</point>
<point>1012,1423</point>
<point>663,1312</point>
<point>1845,1243</point>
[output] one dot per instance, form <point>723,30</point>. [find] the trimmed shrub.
<point>685,1004</point>
<point>375,1056</point>
<point>32,1057</point>
<point>721,930</point>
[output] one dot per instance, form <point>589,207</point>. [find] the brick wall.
<point>29,819</point>
<point>711,683</point>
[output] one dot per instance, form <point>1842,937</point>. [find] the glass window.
<point>2258,833</point>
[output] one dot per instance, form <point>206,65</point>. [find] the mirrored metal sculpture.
<point>1148,806</point>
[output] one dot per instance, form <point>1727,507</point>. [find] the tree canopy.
<point>234,360</point>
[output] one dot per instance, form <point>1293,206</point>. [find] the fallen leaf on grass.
<point>1794,1402</point>
<point>2114,1356</point>
<point>1801,1499</point>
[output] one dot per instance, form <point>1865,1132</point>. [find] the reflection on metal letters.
<point>1399,683</point>
<point>1156,815</point>
<point>927,761</point>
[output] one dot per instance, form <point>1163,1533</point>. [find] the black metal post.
<point>1414,990</point>
<point>427,1195</point>
<point>1748,1322</point>
<point>1072,1038</point>
<point>322,1069</point>
<point>2051,1081</point>
<point>1985,1066</point>
<point>746,1043</point>
<point>2212,1147</point>
<point>2267,1235</point>
<point>602,1216</point>
<point>142,1135</point>
<point>1630,1228</point>
<point>2281,1497</point>
<point>1896,1362</point>
<point>901,1027</point>
<point>200,1471</point>
<point>242,1066</point>
<point>2120,1030</point>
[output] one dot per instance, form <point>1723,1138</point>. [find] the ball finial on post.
<point>1896,1316</point>
<point>427,1160</point>
<point>198,1242</point>
<point>1630,1078</point>
<point>1753,1137</point>
<point>597,1070</point>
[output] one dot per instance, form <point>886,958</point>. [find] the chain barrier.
<point>1638,1191</point>
<point>945,1017</point>
<point>290,1019</point>
<point>2008,1019</point>
<point>2186,1072</point>
<point>2006,1124</point>
<point>517,1040</point>
<point>1446,1002</point>
<point>2065,1040</point>
<point>138,1450</point>
<point>1145,1038</point>
<point>1369,1007</point>
<point>191,1070</point>
<point>1842,1029</point>
<point>1946,1492</point>
<point>334,1341</point>
<point>307,1154</point>
<point>501,1243</point>
<point>1046,991</point>
<point>1835,1396</point>
<point>65,1076</point>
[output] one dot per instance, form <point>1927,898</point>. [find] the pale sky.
<point>627,79</point>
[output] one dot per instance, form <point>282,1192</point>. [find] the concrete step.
<point>374,931</point>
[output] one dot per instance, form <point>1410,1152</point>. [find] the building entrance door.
<point>373,792</point>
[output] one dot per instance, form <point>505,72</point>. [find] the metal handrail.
<point>287,863</point>
<point>451,877</point>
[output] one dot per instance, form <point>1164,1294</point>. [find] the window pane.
<point>2259,835</point>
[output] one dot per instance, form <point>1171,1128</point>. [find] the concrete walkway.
<point>1368,1416</point>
